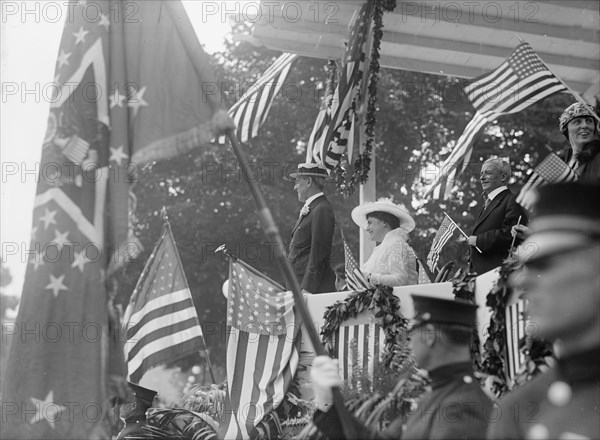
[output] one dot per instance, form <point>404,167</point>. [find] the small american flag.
<point>347,97</point>
<point>551,170</point>
<point>355,279</point>
<point>520,81</point>
<point>251,111</point>
<point>263,337</point>
<point>161,320</point>
<point>442,236</point>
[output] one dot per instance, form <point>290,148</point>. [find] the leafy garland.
<point>537,353</point>
<point>387,307</point>
<point>362,164</point>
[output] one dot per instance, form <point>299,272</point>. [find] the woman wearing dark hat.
<point>579,124</point>
<point>393,262</point>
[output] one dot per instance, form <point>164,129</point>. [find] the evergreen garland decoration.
<point>362,165</point>
<point>387,307</point>
<point>463,286</point>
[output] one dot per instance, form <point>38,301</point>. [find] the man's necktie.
<point>486,201</point>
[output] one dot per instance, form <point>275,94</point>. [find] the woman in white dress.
<point>393,262</point>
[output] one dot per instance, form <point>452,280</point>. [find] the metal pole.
<point>288,274</point>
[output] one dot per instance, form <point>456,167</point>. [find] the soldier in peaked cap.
<point>134,413</point>
<point>312,235</point>
<point>456,406</point>
<point>561,280</point>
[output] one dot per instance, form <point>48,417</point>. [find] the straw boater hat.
<point>310,169</point>
<point>565,220</point>
<point>359,214</point>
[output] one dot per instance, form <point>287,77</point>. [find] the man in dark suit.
<point>561,281</point>
<point>312,235</point>
<point>456,407</point>
<point>491,238</point>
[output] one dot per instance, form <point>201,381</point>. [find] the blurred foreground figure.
<point>561,279</point>
<point>455,408</point>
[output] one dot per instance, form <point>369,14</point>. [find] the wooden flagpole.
<point>285,267</point>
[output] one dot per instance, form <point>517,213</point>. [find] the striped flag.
<point>442,236</point>
<point>319,131</point>
<point>347,97</point>
<point>263,341</point>
<point>125,91</point>
<point>516,329</point>
<point>251,111</point>
<point>520,81</point>
<point>551,170</point>
<point>161,320</point>
<point>359,348</point>
<point>355,279</point>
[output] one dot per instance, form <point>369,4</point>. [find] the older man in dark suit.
<point>491,238</point>
<point>312,235</point>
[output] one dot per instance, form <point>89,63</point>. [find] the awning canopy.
<point>456,38</point>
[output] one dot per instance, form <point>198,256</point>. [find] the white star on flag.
<point>63,58</point>
<point>56,285</point>
<point>80,35</point>
<point>137,100</point>
<point>60,239</point>
<point>48,218</point>
<point>104,21</point>
<point>79,261</point>
<point>117,154</point>
<point>46,410</point>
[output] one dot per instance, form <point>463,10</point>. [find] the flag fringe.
<point>185,142</point>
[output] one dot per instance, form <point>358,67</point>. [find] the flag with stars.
<point>130,85</point>
<point>355,279</point>
<point>519,82</point>
<point>347,97</point>
<point>551,170</point>
<point>161,321</point>
<point>263,338</point>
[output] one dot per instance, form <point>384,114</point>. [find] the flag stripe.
<point>159,313</point>
<point>251,111</point>
<point>188,343</point>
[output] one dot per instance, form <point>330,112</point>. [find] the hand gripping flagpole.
<point>290,277</point>
<point>460,230</point>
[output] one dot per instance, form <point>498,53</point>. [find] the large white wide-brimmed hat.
<point>359,214</point>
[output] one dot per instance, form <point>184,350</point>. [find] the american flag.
<point>251,111</point>
<point>359,348</point>
<point>516,329</point>
<point>355,279</point>
<point>551,170</point>
<point>263,337</point>
<point>520,81</point>
<point>442,236</point>
<point>347,95</point>
<point>319,131</point>
<point>115,78</point>
<point>161,321</point>
<point>423,277</point>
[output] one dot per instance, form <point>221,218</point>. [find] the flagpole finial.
<point>163,214</point>
<point>223,250</point>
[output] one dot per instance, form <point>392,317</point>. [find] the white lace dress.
<point>393,263</point>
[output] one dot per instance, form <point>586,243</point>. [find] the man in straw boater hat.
<point>560,278</point>
<point>455,407</point>
<point>312,235</point>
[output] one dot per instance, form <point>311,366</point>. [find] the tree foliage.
<point>419,118</point>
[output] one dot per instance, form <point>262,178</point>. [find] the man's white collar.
<point>492,195</point>
<point>311,198</point>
